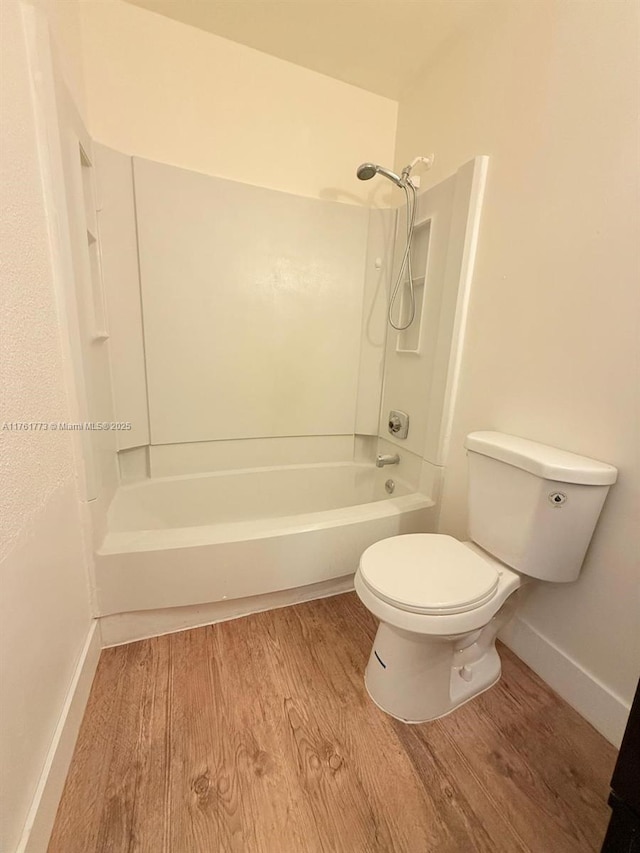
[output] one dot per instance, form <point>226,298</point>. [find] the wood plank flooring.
<point>258,736</point>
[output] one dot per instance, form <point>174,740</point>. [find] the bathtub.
<point>190,540</point>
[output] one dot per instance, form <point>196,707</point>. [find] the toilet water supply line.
<point>367,171</point>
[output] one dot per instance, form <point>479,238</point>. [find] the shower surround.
<point>256,331</point>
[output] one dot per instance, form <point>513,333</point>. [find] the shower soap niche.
<point>409,340</point>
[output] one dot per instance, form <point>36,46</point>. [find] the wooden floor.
<point>257,736</point>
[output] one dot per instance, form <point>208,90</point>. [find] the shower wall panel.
<point>410,375</point>
<point>196,457</point>
<point>252,305</point>
<point>122,290</point>
<point>421,368</point>
<point>378,269</point>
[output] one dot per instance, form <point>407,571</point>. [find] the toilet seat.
<point>428,573</point>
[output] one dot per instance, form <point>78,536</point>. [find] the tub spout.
<point>383,459</point>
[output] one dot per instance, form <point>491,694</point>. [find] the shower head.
<point>366,171</point>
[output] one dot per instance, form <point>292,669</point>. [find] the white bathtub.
<point>178,541</point>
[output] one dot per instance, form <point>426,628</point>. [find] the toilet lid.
<point>428,573</point>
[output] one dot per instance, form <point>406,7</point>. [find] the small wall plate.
<point>398,423</point>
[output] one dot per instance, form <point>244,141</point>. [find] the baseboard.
<point>592,699</point>
<point>42,814</point>
<point>121,628</point>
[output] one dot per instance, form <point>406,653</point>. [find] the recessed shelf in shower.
<point>409,340</point>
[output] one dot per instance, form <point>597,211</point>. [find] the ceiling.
<point>378,45</point>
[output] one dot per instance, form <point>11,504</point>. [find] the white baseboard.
<point>42,814</point>
<point>121,628</point>
<point>592,699</point>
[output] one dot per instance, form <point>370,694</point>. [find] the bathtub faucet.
<point>383,459</point>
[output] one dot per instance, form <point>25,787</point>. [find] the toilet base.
<point>431,719</point>
<point>417,678</point>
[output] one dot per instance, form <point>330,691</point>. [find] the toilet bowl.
<point>441,602</point>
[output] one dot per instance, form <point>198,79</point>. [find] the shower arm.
<point>427,161</point>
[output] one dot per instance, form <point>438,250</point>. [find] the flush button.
<point>557,498</point>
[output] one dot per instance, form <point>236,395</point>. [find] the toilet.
<point>441,602</point>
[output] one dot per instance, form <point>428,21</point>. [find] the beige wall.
<point>65,27</point>
<point>172,93</point>
<point>44,610</point>
<point>550,91</point>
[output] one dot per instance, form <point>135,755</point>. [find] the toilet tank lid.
<point>547,462</point>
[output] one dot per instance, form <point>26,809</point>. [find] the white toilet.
<point>441,602</point>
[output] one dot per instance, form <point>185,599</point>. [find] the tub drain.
<point>389,487</point>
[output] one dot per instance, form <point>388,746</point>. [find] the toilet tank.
<point>532,506</point>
